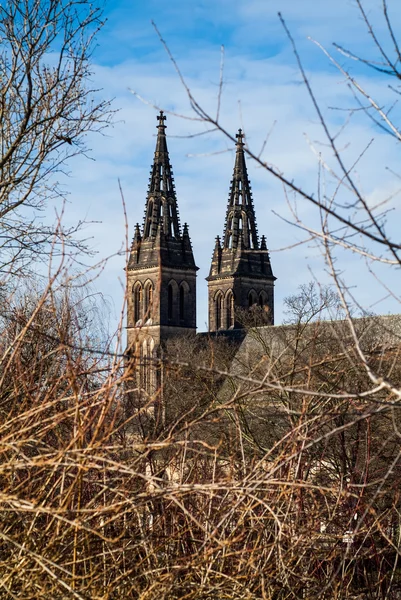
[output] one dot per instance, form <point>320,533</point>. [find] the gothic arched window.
<point>230,309</point>
<point>229,230</point>
<point>218,305</point>
<point>149,217</point>
<point>170,302</point>
<point>263,299</point>
<point>137,302</point>
<point>171,220</point>
<point>145,366</point>
<point>182,303</point>
<point>148,300</point>
<point>251,241</point>
<point>252,298</point>
<point>153,368</point>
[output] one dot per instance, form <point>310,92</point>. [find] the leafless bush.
<point>275,477</point>
<point>274,474</point>
<point>308,462</point>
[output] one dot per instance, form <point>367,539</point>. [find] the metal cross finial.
<point>161,118</point>
<point>239,136</point>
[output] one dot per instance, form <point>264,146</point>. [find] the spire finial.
<point>240,138</point>
<point>161,119</point>
<point>137,238</point>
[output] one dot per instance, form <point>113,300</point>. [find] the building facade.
<point>161,271</point>
<point>241,277</point>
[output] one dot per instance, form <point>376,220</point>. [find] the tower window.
<point>229,231</point>
<point>170,302</point>
<point>252,298</point>
<point>219,311</point>
<point>230,310</point>
<point>145,365</point>
<point>148,300</point>
<point>149,218</point>
<point>137,302</point>
<point>251,244</point>
<point>171,232</point>
<point>262,299</point>
<point>153,368</point>
<point>182,303</point>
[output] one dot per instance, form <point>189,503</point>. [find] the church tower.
<point>161,271</point>
<point>240,276</point>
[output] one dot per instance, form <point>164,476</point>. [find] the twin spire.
<point>161,237</point>
<point>240,226</point>
<point>240,273</point>
<point>161,212</point>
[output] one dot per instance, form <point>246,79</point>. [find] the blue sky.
<point>262,92</point>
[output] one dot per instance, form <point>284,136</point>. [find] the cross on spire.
<point>240,137</point>
<point>161,118</point>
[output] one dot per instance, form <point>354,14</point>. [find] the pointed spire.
<point>263,245</point>
<point>185,234</point>
<point>135,247</point>
<point>186,241</point>
<point>216,258</point>
<point>187,254</point>
<point>240,218</point>
<point>137,235</point>
<point>161,204</point>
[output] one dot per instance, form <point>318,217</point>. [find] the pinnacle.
<point>161,205</point>
<point>240,138</point>
<point>161,118</point>
<point>240,217</point>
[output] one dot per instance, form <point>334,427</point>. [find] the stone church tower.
<point>240,276</point>
<point>161,271</point>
